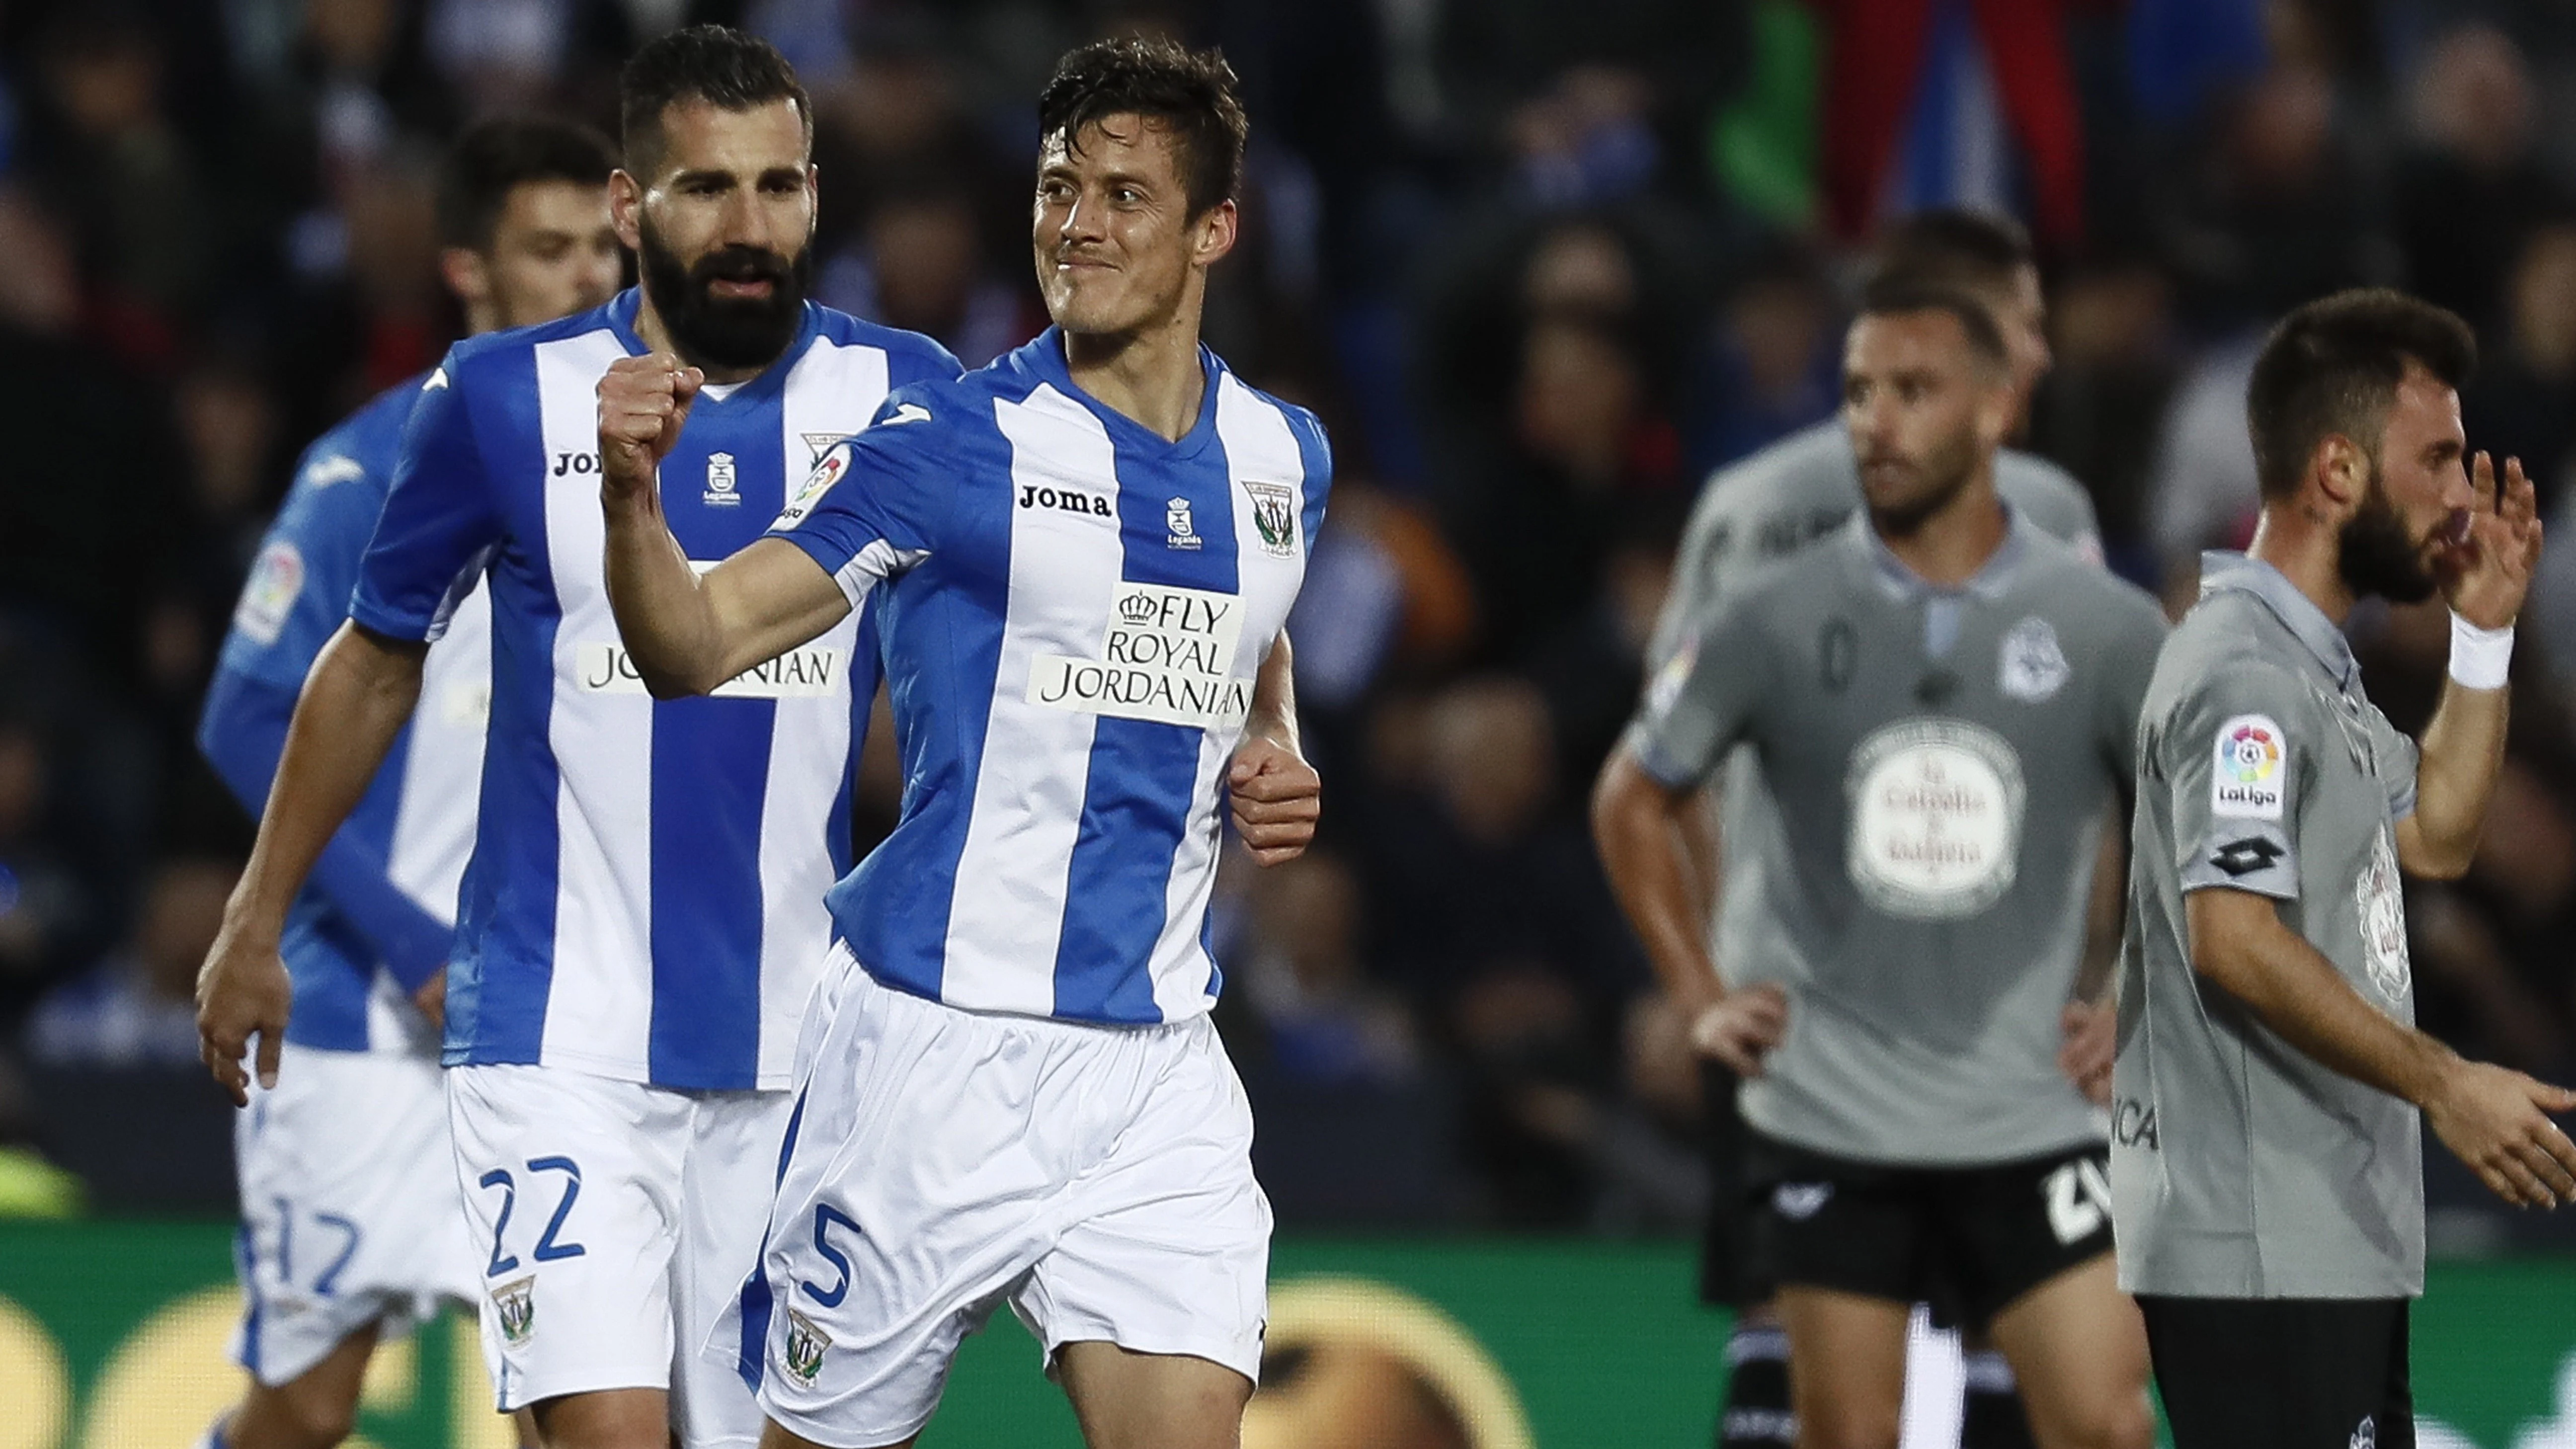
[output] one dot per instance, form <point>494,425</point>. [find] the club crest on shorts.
<point>805,1345</point>
<point>515,1305</point>
<point>2033,667</point>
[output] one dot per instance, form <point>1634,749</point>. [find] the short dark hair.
<point>1954,247</point>
<point>726,68</point>
<point>1894,295</point>
<point>492,158</point>
<point>2332,367</point>
<point>1190,91</point>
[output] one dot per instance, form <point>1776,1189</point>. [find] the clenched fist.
<point>643,404</point>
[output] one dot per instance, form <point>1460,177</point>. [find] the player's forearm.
<point>2462,753</point>
<point>1637,827</point>
<point>2293,989</point>
<point>1274,697</point>
<point>354,703</point>
<point>664,617</point>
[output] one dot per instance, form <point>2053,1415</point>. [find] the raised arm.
<point>356,701</point>
<point>688,632</point>
<point>2463,748</point>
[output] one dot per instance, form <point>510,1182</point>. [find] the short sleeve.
<point>2236,754</point>
<point>439,518</point>
<point>1696,565</point>
<point>872,505</point>
<point>299,586</point>
<point>2128,667</point>
<point>1700,702</point>
<point>2399,758</point>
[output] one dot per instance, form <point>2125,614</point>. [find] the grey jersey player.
<point>2266,1161</point>
<point>1941,699</point>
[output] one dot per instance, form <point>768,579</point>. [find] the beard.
<point>725,332</point>
<point>1946,470</point>
<point>2374,555</point>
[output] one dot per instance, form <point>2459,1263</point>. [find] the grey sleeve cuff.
<point>1651,758</point>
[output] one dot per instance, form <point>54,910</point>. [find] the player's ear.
<point>1216,228</point>
<point>626,208</point>
<point>2340,472</point>
<point>467,275</point>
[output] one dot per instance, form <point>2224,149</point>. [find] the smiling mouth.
<point>731,287</point>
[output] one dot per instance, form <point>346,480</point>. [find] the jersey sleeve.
<point>1696,565</point>
<point>872,507</point>
<point>2128,666</point>
<point>1702,699</point>
<point>2235,757</point>
<point>299,587</point>
<point>439,518</point>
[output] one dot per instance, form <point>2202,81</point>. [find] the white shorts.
<point>612,1222</point>
<point>349,1207</point>
<point>944,1162</point>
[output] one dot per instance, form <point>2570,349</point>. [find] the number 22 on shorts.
<point>547,1249</point>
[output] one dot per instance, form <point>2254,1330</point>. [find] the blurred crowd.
<point>1539,278</point>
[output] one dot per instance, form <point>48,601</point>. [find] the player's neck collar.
<point>2224,570</point>
<point>1987,584</point>
<point>1046,358</point>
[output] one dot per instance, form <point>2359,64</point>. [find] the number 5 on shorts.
<point>547,1250</point>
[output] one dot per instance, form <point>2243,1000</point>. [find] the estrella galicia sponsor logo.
<point>1168,655</point>
<point>1274,516</point>
<point>2133,1124</point>
<point>569,464</point>
<point>2250,762</point>
<point>812,672</point>
<point>721,482</point>
<point>806,1344</point>
<point>1066,500</point>
<point>1180,532</point>
<point>1799,1201</point>
<point>2241,858</point>
<point>514,1305</point>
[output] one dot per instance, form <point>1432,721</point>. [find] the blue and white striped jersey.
<point>376,920</point>
<point>645,897</point>
<point>1074,611</point>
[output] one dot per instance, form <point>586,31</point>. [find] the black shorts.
<point>1967,1240</point>
<point>2282,1373</point>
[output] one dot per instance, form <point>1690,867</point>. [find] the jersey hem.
<point>614,1069</point>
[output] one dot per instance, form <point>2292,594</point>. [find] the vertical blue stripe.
<point>1143,775</point>
<point>500,982</point>
<point>751,1352</point>
<point>246,1263</point>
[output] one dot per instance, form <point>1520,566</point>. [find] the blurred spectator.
<point>2471,186</point>
<point>1776,364</point>
<point>2204,491</point>
<point>1324,1021</point>
<point>1383,586</point>
<point>2098,411</point>
<point>138,1007</point>
<point>920,266</point>
<point>2522,403</point>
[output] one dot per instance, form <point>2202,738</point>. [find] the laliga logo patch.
<point>805,1345</point>
<point>2245,777</point>
<point>817,483</point>
<point>515,1304</point>
<point>269,595</point>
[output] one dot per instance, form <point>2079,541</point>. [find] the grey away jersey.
<point>1758,511</point>
<point>1942,762</point>
<point>2240,1167</point>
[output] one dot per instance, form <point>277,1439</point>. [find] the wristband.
<point>2480,658</point>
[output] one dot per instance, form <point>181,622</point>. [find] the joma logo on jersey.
<point>582,463</point>
<point>1068,500</point>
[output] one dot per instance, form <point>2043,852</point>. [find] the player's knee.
<point>2118,1421</point>
<point>1848,1426</point>
<point>314,1418</point>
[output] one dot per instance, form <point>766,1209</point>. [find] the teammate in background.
<point>1764,508</point>
<point>641,924</point>
<point>2266,1162</point>
<point>352,1228</point>
<point>1085,552</point>
<point>1941,697</point>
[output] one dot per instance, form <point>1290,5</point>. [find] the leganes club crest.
<point>515,1304</point>
<point>805,1345</point>
<point>1274,516</point>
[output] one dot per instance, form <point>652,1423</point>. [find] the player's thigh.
<point>573,1188</point>
<point>2079,1353</point>
<point>1129,1400</point>
<point>919,1186</point>
<point>313,1410</point>
<point>778,1436</point>
<point>350,1218</point>
<point>1846,1366</point>
<point>2269,1373</point>
<point>1164,1246</point>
